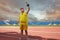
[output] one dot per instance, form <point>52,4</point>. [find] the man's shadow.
<point>16,36</point>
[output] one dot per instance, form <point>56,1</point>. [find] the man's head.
<point>22,9</point>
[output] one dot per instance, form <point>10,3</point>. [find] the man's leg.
<point>26,29</point>
<point>21,30</point>
<point>26,32</point>
<point>21,35</point>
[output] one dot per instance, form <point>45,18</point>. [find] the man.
<point>23,18</point>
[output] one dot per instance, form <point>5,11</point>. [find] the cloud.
<point>9,9</point>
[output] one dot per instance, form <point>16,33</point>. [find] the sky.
<point>41,10</point>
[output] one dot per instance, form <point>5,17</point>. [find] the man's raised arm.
<point>28,9</point>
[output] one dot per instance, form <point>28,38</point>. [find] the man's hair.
<point>21,8</point>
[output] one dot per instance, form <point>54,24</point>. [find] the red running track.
<point>35,33</point>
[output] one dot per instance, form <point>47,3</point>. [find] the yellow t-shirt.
<point>23,17</point>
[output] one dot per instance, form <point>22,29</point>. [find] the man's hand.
<point>28,7</point>
<point>26,2</point>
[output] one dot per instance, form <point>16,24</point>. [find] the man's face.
<point>22,9</point>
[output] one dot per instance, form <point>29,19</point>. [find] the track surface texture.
<point>34,33</point>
